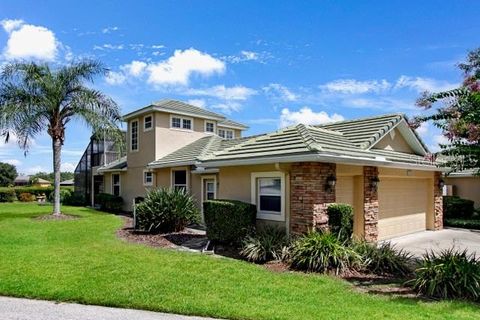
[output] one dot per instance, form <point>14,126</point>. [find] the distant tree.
<point>458,117</point>
<point>51,176</point>
<point>36,98</point>
<point>8,173</point>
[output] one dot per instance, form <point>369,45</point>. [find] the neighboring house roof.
<point>182,108</point>
<point>302,143</point>
<point>22,179</point>
<point>464,173</point>
<point>232,124</point>
<point>117,165</point>
<point>69,182</point>
<point>42,181</point>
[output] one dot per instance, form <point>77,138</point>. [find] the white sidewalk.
<point>26,309</point>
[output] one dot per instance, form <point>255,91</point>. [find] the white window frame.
<point>172,179</point>
<point>182,119</point>
<point>119,183</point>
<point>209,177</point>
<point>214,127</point>
<point>225,131</point>
<point>268,215</point>
<point>131,135</point>
<point>144,127</point>
<point>145,183</point>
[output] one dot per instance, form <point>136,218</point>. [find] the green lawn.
<point>82,260</point>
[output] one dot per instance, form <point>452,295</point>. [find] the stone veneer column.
<point>437,202</point>
<point>370,204</point>
<point>309,196</point>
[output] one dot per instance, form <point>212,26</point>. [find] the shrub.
<point>27,197</point>
<point>65,195</point>
<point>450,274</point>
<point>37,191</point>
<point>75,199</point>
<point>109,202</point>
<point>7,195</point>
<point>463,223</point>
<point>322,252</point>
<point>166,210</point>
<point>268,243</point>
<point>229,221</point>
<point>340,220</point>
<point>456,207</point>
<point>384,259</point>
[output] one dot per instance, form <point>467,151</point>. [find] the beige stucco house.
<point>376,164</point>
<point>464,184</point>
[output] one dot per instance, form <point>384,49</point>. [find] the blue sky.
<point>264,63</point>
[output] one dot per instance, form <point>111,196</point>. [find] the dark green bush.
<point>166,210</point>
<point>384,259</point>
<point>37,191</point>
<point>340,220</point>
<point>268,243</point>
<point>109,202</point>
<point>65,195</point>
<point>449,274</point>
<point>229,221</point>
<point>456,207</point>
<point>75,200</point>
<point>322,252</point>
<point>7,195</point>
<point>463,223</point>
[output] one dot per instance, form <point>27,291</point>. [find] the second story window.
<point>226,134</point>
<point>134,135</point>
<point>147,123</point>
<point>209,127</point>
<point>181,123</point>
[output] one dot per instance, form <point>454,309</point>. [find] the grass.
<point>82,260</point>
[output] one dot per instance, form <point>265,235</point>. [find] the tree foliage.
<point>458,117</point>
<point>8,173</point>
<point>50,176</point>
<point>35,98</point>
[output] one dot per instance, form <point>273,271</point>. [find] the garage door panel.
<point>402,206</point>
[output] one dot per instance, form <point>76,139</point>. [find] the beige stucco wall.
<point>466,187</point>
<point>397,143</point>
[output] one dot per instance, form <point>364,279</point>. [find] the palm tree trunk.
<point>57,151</point>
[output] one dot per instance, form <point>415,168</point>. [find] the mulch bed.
<point>56,217</point>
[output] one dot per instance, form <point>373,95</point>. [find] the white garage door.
<point>402,206</point>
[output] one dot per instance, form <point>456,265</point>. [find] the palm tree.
<point>35,97</point>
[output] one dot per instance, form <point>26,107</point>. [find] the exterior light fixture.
<point>374,182</point>
<point>331,182</point>
<point>441,184</point>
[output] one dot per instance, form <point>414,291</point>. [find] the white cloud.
<point>115,78</point>
<point>227,106</point>
<point>182,65</point>
<point>238,93</point>
<point>307,116</point>
<point>11,24</point>
<point>134,68</point>
<point>279,92</point>
<point>28,41</point>
<point>201,103</point>
<point>109,29</point>
<point>13,162</point>
<point>33,169</point>
<point>109,46</point>
<point>423,129</point>
<point>421,84</point>
<point>246,55</point>
<point>68,167</point>
<point>352,86</point>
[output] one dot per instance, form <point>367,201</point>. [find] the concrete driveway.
<point>419,243</point>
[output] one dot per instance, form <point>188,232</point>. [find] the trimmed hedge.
<point>7,195</point>
<point>109,202</point>
<point>463,223</point>
<point>229,221</point>
<point>340,220</point>
<point>456,207</point>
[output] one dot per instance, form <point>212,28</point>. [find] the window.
<point>134,135</point>
<point>147,123</point>
<point>268,193</point>
<point>116,184</point>
<point>176,122</point>
<point>226,134</point>
<point>187,124</point>
<point>181,123</point>
<point>148,178</point>
<point>179,179</point>
<point>209,126</point>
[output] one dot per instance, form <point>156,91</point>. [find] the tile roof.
<point>116,165</point>
<point>230,123</point>
<point>179,106</point>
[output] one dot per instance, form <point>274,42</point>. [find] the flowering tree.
<point>458,117</point>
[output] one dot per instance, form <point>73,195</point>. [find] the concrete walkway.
<point>419,243</point>
<point>26,309</point>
